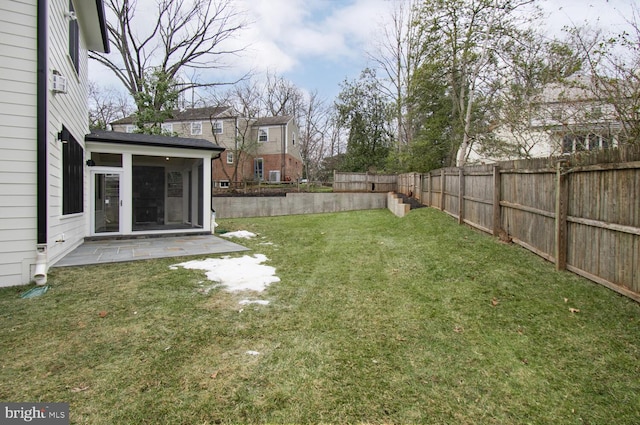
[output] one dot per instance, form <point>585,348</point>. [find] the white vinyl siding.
<point>70,110</point>
<point>18,58</point>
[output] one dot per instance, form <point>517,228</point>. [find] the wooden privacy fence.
<point>583,214</point>
<point>364,182</point>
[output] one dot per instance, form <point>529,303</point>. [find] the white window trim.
<point>229,157</point>
<point>130,128</point>
<point>196,128</point>
<point>224,184</point>
<point>217,127</point>
<point>167,126</point>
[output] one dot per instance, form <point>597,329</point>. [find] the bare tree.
<point>464,37</point>
<point>397,55</point>
<point>183,35</point>
<point>107,105</point>
<point>315,134</point>
<point>613,62</point>
<point>245,99</point>
<point>282,97</point>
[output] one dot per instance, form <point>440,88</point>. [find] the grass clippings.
<point>376,319</point>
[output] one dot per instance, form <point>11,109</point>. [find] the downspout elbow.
<point>40,273</point>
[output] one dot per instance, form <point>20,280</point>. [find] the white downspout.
<point>40,274</point>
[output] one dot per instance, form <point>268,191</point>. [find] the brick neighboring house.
<point>257,149</point>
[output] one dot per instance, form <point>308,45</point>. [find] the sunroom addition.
<point>148,184</point>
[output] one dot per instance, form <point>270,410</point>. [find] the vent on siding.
<point>59,84</point>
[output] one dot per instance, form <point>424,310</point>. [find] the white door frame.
<point>92,196</point>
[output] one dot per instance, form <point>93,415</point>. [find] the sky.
<point>317,44</point>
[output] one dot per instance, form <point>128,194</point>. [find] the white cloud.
<point>285,33</point>
<point>319,43</point>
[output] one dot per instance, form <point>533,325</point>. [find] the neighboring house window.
<point>74,40</point>
<point>258,169</point>
<point>196,128</point>
<point>224,184</point>
<point>130,128</point>
<point>216,127</point>
<point>229,157</point>
<point>167,127</point>
<point>263,136</point>
<point>582,142</point>
<point>72,174</point>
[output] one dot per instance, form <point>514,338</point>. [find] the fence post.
<point>562,199</point>
<point>442,186</point>
<point>429,189</point>
<point>461,195</point>
<point>497,219</point>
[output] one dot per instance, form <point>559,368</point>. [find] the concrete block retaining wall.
<point>396,205</point>
<point>296,203</point>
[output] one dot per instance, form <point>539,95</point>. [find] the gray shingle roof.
<point>192,114</point>
<point>279,120</point>
<point>151,140</point>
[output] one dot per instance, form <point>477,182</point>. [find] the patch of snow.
<point>261,302</point>
<point>265,243</point>
<point>236,274</point>
<point>239,234</point>
<point>252,353</point>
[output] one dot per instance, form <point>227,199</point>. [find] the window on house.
<point>229,157</point>
<point>582,142</point>
<point>101,159</point>
<point>72,174</point>
<point>74,40</point>
<point>263,136</point>
<point>258,169</point>
<point>196,128</point>
<point>567,143</point>
<point>167,127</point>
<point>224,184</point>
<point>216,127</point>
<point>596,112</point>
<point>130,128</point>
<point>557,113</point>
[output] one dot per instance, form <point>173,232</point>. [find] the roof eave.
<point>92,18</point>
<point>92,137</point>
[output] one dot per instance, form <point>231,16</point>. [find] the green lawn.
<point>376,320</point>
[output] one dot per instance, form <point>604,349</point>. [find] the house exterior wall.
<point>567,118</point>
<point>18,166</point>
<point>18,135</point>
<point>280,152</point>
<point>65,232</point>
